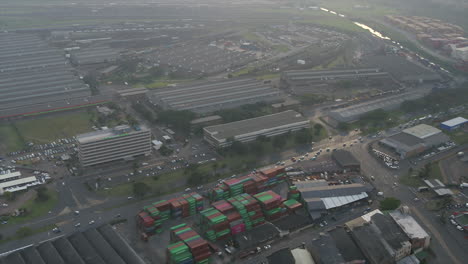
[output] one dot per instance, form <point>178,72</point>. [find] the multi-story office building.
<point>120,142</point>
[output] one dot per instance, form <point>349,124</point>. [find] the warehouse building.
<point>250,129</point>
<point>382,240</point>
<point>438,187</point>
<point>402,69</point>
<point>121,142</point>
<point>414,140</point>
<point>98,246</point>
<point>319,197</point>
<point>212,96</point>
<point>94,55</point>
<point>419,238</point>
<point>346,160</point>
<point>454,123</point>
<point>12,182</point>
<point>33,73</point>
<point>354,112</point>
<point>303,81</point>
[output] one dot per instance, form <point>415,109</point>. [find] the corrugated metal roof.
<point>422,131</point>
<point>333,202</point>
<point>26,180</point>
<point>10,175</point>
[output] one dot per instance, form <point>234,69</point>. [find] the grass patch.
<point>30,233</point>
<point>280,48</point>
<point>414,180</point>
<point>460,137</point>
<point>47,129</point>
<point>34,209</point>
<point>437,204</point>
<point>269,76</point>
<point>9,139</point>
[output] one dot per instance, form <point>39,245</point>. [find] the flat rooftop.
<point>254,125</point>
<point>422,131</point>
<point>355,111</point>
<point>455,121</point>
<point>107,133</point>
<point>409,225</point>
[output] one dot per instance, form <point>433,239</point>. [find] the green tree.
<point>238,147</point>
<point>279,142</point>
<point>92,80</point>
<point>24,232</point>
<point>165,151</point>
<point>41,194</point>
<point>303,136</point>
<point>140,189</point>
<point>195,178</point>
<point>389,203</point>
<point>318,128</point>
<point>9,196</point>
<point>343,126</point>
<point>179,120</point>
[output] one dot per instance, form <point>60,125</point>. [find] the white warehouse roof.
<point>333,202</point>
<point>422,131</point>
<point>9,184</point>
<point>10,175</point>
<point>455,121</point>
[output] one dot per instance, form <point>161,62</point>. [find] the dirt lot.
<point>455,170</point>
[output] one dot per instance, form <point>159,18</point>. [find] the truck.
<point>423,189</point>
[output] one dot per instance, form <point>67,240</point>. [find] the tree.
<point>389,203</point>
<point>165,151</point>
<point>279,142</point>
<point>92,81</point>
<point>41,194</point>
<point>180,120</point>
<point>9,196</point>
<point>195,178</point>
<point>425,171</point>
<point>303,136</point>
<point>140,189</point>
<point>343,126</point>
<point>24,232</point>
<point>318,128</point>
<point>238,147</point>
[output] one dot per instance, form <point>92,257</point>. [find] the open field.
<point>47,129</point>
<point>34,209</point>
<point>412,179</point>
<point>9,139</point>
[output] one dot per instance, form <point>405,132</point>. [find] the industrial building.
<point>308,81</point>
<point>414,140</point>
<point>249,129</point>
<point>438,187</point>
<point>212,96</point>
<point>290,256</point>
<point>96,245</point>
<point>402,69</point>
<point>33,73</point>
<point>206,121</point>
<point>382,240</point>
<point>419,238</point>
<point>454,123</point>
<point>12,182</point>
<point>94,55</point>
<point>121,142</point>
<point>319,197</point>
<point>354,112</point>
<point>346,160</point>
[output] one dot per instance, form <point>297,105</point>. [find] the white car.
<point>91,222</point>
<point>78,225</point>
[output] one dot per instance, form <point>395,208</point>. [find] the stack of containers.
<point>154,213</point>
<point>164,208</point>
<point>260,181</point>
<point>270,203</point>
<point>199,201</point>
<point>192,204</point>
<point>274,176</point>
<point>292,205</point>
<point>146,223</point>
<point>235,187</point>
<point>294,193</point>
<point>223,206</point>
<point>214,224</point>
<point>176,208</point>
<point>249,210</point>
<point>197,245</point>
<point>219,193</point>
<point>179,253</point>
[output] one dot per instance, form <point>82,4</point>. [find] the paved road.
<point>446,243</point>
